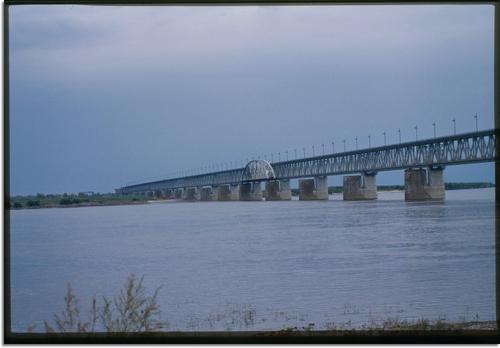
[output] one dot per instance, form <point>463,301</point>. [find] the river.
<point>264,265</point>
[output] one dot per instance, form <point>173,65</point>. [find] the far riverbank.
<point>70,200</point>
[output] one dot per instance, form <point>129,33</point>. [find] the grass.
<point>72,200</point>
<point>134,311</point>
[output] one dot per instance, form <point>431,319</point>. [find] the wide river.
<point>264,265</point>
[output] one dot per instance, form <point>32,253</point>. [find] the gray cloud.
<point>133,92</point>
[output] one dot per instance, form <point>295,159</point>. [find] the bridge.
<point>423,163</point>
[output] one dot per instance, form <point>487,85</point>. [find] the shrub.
<point>68,201</point>
<point>18,205</point>
<point>31,203</point>
<point>65,201</point>
<point>131,311</point>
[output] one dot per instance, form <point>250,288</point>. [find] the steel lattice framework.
<point>258,170</point>
<point>458,149</point>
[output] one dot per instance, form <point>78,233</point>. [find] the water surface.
<point>274,264</point>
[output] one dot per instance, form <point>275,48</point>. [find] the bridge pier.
<point>235,192</point>
<point>206,194</point>
<point>278,190</point>
<point>313,189</point>
<point>179,193</point>
<point>250,191</point>
<point>209,193</point>
<point>224,193</point>
<point>228,192</point>
<point>424,184</point>
<point>192,194</point>
<point>214,193</point>
<point>360,187</point>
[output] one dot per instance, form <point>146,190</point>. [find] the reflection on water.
<point>265,265</point>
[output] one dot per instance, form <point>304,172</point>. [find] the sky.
<point>101,96</point>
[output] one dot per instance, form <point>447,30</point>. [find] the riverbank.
<point>73,200</point>
<point>39,201</point>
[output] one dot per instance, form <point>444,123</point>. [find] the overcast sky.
<point>101,96</point>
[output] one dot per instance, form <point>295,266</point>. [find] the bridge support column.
<point>278,190</point>
<point>250,191</point>
<point>235,192</point>
<point>206,194</point>
<point>313,189</point>
<point>424,184</point>
<point>360,187</point>
<point>214,193</point>
<point>224,193</point>
<point>228,193</point>
<point>179,193</point>
<point>192,194</point>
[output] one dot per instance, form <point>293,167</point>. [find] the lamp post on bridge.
<point>385,140</point>
<point>356,139</point>
<point>454,126</point>
<point>313,150</point>
<point>304,150</point>
<point>416,132</point>
<point>333,147</point>
<point>369,141</point>
<point>399,133</point>
<point>344,144</point>
<point>295,150</point>
<point>323,148</point>
<point>286,155</point>
<point>475,116</point>
<point>434,128</point>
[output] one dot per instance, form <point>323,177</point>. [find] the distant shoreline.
<point>42,201</point>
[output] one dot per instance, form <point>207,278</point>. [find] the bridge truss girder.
<point>452,150</point>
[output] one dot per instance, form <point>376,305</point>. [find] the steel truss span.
<point>458,149</point>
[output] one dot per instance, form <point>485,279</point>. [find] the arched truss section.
<point>258,170</point>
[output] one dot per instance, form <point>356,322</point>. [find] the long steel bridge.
<point>437,152</point>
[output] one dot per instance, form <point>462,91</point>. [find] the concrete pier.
<point>224,193</point>
<point>360,187</point>
<point>250,191</point>
<point>278,190</point>
<point>313,189</point>
<point>179,193</point>
<point>192,194</point>
<point>206,194</point>
<point>235,192</point>
<point>228,193</point>
<point>214,194</point>
<point>424,184</point>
